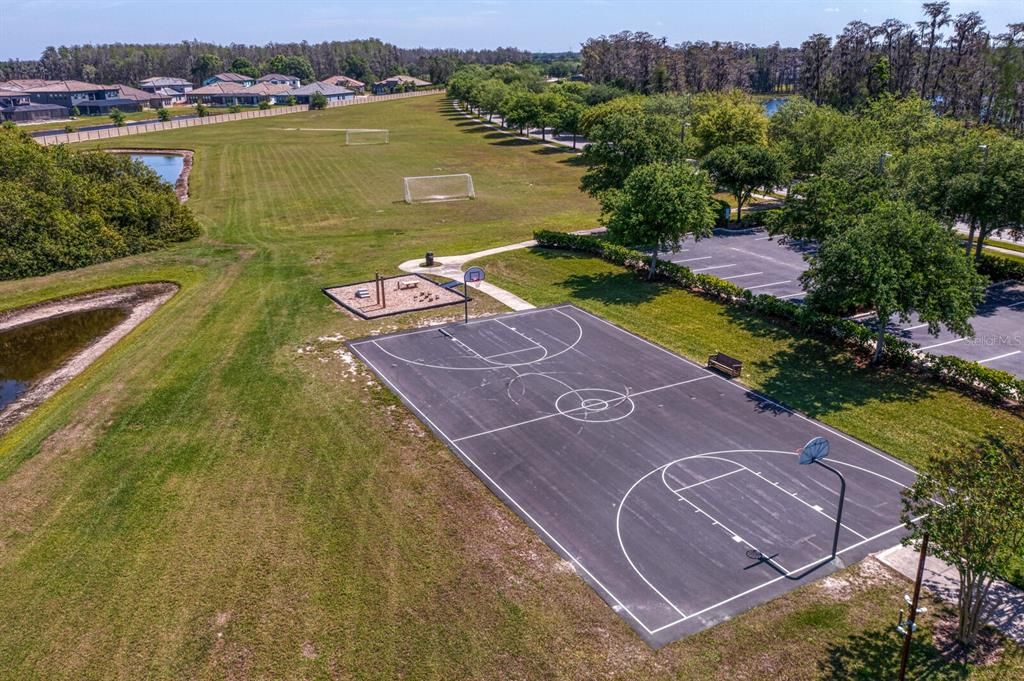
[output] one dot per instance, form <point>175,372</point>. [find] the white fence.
<point>174,123</point>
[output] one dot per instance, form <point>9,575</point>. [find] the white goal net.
<point>355,137</point>
<point>439,188</point>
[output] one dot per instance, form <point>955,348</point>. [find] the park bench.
<point>730,366</point>
<point>404,284</point>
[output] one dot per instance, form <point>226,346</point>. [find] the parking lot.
<point>753,260</point>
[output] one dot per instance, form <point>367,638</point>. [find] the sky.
<point>28,26</point>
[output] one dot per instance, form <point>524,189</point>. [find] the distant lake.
<point>167,166</point>
<point>772,105</point>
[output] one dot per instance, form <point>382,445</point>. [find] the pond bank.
<point>138,301</point>
<point>181,185</point>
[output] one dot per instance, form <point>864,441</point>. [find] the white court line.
<point>713,267</point>
<point>569,411</point>
<point>704,482</point>
<point>706,257</point>
<point>992,359</point>
<point>774,580</point>
<point>740,276</point>
<point>526,514</point>
<point>510,352</point>
<point>472,322</point>
<point>774,283</point>
<point>937,345</point>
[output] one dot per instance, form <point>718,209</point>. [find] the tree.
<point>569,118</point>
<point>520,109</point>
<point>75,113</point>
<point>971,506</point>
<point>808,134</point>
<point>490,94</point>
<point>318,101</point>
<point>234,108</point>
<point>549,105</point>
<point>264,105</point>
<point>742,168</point>
<point>205,66</point>
<point>163,114</point>
<point>659,205</point>
<point>118,117</point>
<point>201,110</point>
<point>623,137</point>
<point>896,260</point>
<point>296,66</point>
<point>245,67</point>
<point>724,120</point>
<point>290,100</point>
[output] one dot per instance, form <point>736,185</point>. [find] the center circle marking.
<point>594,405</point>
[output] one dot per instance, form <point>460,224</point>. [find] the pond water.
<point>167,166</point>
<point>773,105</point>
<point>31,351</point>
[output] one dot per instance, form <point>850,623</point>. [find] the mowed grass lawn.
<point>228,494</point>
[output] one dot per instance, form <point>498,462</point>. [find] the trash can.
<point>430,259</point>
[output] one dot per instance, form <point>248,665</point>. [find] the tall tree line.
<point>955,62</point>
<point>364,60</point>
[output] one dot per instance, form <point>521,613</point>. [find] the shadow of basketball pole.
<point>811,453</point>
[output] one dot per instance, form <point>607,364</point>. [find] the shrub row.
<point>969,376</point>
<point>1000,269</point>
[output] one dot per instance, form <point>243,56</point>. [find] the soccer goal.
<point>432,188</point>
<point>355,137</point>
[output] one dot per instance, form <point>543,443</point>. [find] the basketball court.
<point>674,492</point>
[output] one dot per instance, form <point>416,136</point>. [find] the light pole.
<point>812,453</point>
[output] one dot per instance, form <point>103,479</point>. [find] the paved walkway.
<point>942,580</point>
<point>450,267</point>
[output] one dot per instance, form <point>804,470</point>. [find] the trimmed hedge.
<point>1000,269</point>
<point>969,376</point>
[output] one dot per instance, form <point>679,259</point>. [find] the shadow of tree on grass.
<point>875,656</point>
<point>613,288</point>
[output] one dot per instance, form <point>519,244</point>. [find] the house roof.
<point>326,88</point>
<point>34,107</point>
<point>236,89</point>
<point>403,79</point>
<point>23,83</point>
<point>136,94</point>
<point>164,81</point>
<point>274,76</point>
<point>229,77</point>
<point>70,86</point>
<point>343,80</point>
<point>12,93</point>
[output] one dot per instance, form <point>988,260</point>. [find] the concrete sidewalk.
<point>1006,600</point>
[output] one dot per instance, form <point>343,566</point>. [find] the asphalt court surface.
<point>653,476</point>
<point>752,260</point>
<point>998,340</point>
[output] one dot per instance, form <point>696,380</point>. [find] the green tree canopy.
<point>971,506</point>
<point>205,66</point>
<point>291,65</point>
<point>742,168</point>
<point>520,109</point>
<point>725,120</point>
<point>623,137</point>
<point>808,134</point>
<point>245,67</point>
<point>660,204</point>
<point>896,260</point>
<point>61,209</point>
<point>318,101</point>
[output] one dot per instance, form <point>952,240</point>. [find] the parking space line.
<point>791,295</point>
<point>1016,304</point>
<point>955,340</point>
<point>774,283</point>
<point>714,267</point>
<point>913,328</point>
<point>762,238</point>
<point>992,359</point>
<point>704,257</point>
<point>740,276</point>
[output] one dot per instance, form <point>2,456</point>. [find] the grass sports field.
<point>227,493</point>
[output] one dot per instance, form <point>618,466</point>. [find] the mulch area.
<point>403,293</point>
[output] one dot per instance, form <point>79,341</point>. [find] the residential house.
<point>333,93</point>
<point>398,84</point>
<point>228,77</point>
<point>89,98</point>
<point>231,94</point>
<point>147,100</point>
<point>344,81</point>
<point>23,83</point>
<point>175,88</point>
<point>17,106</point>
<point>278,79</point>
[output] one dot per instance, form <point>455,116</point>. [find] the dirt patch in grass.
<point>393,295</point>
